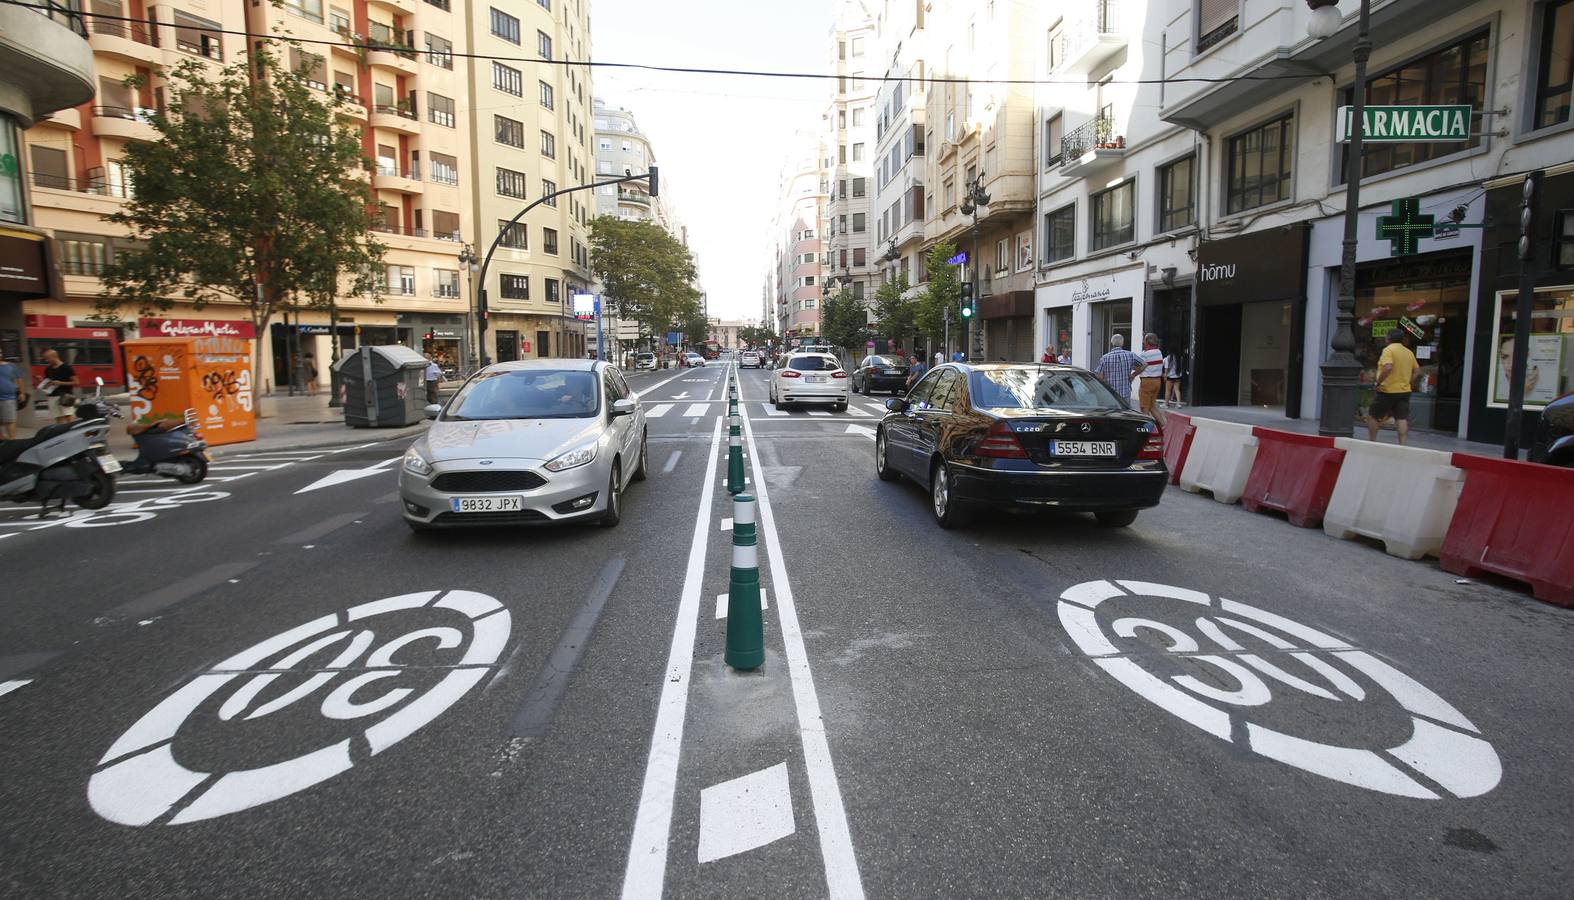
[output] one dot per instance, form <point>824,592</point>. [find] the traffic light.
<point>1527,217</point>
<point>967,300</point>
<point>655,182</point>
<point>480,306</point>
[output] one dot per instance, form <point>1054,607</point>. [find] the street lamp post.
<point>1342,371</point>
<point>468,262</point>
<point>972,334</point>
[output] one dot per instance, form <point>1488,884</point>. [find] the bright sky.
<point>720,140</point>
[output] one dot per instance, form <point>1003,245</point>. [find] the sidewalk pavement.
<point>1273,417</point>
<point>301,422</point>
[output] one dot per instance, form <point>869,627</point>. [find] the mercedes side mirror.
<point>896,404</point>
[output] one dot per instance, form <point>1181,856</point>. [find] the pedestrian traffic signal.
<point>480,306</point>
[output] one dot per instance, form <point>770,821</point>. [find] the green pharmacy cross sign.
<point>1406,227</point>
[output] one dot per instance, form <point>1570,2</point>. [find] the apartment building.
<point>725,332</point>
<point>849,263</point>
<point>1117,221</point>
<point>979,125</point>
<point>531,136</point>
<point>798,235</point>
<point>1271,172</point>
<point>46,66</point>
<point>900,201</point>
<point>406,104</point>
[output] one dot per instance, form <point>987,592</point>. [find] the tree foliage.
<point>941,294</point>
<point>758,335</point>
<point>897,315</point>
<point>843,321</point>
<point>253,194</point>
<point>649,274</point>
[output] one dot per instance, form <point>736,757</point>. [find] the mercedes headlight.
<point>415,463</point>
<point>572,459</point>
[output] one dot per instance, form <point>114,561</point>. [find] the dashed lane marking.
<point>672,462</point>
<point>7,687</point>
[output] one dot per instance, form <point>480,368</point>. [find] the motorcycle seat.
<point>10,450</point>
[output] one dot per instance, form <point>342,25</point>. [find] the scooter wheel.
<point>196,470</point>
<point>103,492</point>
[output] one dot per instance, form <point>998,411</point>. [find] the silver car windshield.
<point>526,394</point>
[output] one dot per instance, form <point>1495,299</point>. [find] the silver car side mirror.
<point>623,407</point>
<point>432,410</point>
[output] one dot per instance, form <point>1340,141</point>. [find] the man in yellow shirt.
<point>1396,370</point>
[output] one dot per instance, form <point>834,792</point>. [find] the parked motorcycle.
<point>69,461</point>
<point>165,447</point>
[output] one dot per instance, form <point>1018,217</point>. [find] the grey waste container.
<point>384,387</point>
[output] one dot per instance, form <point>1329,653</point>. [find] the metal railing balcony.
<point>1091,39</point>
<point>92,184</point>
<point>1097,133</point>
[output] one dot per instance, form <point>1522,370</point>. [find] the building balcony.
<point>46,59</point>
<point>1247,85</point>
<point>403,7</point>
<point>1090,40</point>
<point>1091,147</point>
<point>69,118</point>
<point>398,59</point>
<point>396,118</point>
<point>391,178</point>
<point>127,124</point>
<point>132,42</point>
<point>351,107</point>
<point>94,184</point>
<point>634,197</point>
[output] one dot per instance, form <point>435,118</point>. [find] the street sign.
<point>1406,227</point>
<point>957,260</point>
<point>1406,124</point>
<point>585,307</point>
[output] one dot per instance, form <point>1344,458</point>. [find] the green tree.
<point>648,273</point>
<point>942,293</point>
<point>758,335</point>
<point>254,194</point>
<point>843,321</point>
<point>896,314</point>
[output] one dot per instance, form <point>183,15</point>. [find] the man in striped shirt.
<point>1119,366</point>
<point>1151,380</point>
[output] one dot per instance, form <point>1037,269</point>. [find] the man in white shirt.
<point>1151,378</point>
<point>434,375</point>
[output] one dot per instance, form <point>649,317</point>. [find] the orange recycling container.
<point>210,376</point>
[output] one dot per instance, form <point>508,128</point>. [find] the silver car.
<point>528,442</point>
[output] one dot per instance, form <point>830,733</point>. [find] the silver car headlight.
<point>415,463</point>
<point>572,459</point>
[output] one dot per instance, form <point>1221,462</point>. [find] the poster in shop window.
<point>1543,368</point>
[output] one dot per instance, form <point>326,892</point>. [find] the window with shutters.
<point>514,287</point>
<point>548,188</point>
<point>552,290</point>
<point>440,109</point>
<point>1054,130</point>
<point>548,145</point>
<point>445,169</point>
<point>445,226</point>
<point>511,183</point>
<point>509,131</point>
<point>505,26</point>
<point>547,98</point>
<point>439,51</point>
<point>1216,20</point>
<point>549,243</point>
<point>507,79</point>
<point>445,283</point>
<point>515,237</point>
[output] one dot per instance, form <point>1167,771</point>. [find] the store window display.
<point>1427,297</point>
<point>1549,370</point>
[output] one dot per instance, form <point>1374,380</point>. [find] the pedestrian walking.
<point>1172,380</point>
<point>13,393</point>
<point>59,384</point>
<point>1396,371</point>
<point>1119,366</point>
<point>434,376</point>
<point>1150,381</point>
<point>915,370</point>
<point>939,357</point>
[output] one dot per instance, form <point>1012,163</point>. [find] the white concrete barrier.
<point>1402,496</point>
<point>1220,459</point>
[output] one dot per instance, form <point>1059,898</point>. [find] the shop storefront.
<point>1428,298</point>
<point>1086,312</point>
<point>1008,326</point>
<point>25,273</point>
<point>1549,371</point>
<point>1251,316</point>
<point>446,337</point>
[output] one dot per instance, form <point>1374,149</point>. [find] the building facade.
<point>850,263</point>
<point>797,238</point>
<point>900,199</point>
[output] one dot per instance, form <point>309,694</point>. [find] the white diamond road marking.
<point>726,524</point>
<point>696,409</point>
<point>739,815</point>
<point>659,410</point>
<point>721,603</point>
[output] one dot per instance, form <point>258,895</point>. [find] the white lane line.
<point>9,686</point>
<point>864,430</point>
<point>859,411</point>
<point>248,467</point>
<point>721,603</point>
<point>658,384</point>
<point>696,409</point>
<point>672,462</point>
<point>739,815</point>
<point>659,410</point>
<point>647,863</point>
<point>830,815</point>
<point>356,447</point>
<point>819,412</point>
<point>165,490</point>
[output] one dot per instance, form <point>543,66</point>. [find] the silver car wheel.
<point>941,491</point>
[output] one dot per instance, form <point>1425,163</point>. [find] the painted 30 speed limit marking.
<point>344,682</point>
<point>1444,747</point>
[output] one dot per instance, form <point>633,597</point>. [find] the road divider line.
<point>830,815</point>
<point>647,863</point>
<point>672,461</point>
<point>9,686</point>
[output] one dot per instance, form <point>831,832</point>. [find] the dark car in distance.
<point>880,373</point>
<point>1021,436</point>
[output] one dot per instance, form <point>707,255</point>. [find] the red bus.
<point>710,349</point>
<point>93,352</point>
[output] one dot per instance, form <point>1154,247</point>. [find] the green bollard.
<point>745,623</point>
<point>734,458</point>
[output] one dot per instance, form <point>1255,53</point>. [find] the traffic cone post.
<point>734,458</point>
<point>745,623</point>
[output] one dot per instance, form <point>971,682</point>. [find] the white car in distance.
<point>810,378</point>
<point>750,359</point>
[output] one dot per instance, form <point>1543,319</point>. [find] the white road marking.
<point>346,475</point>
<point>682,396</point>
<point>696,409</point>
<point>859,411</point>
<point>771,410</point>
<point>739,815</point>
<point>657,411</point>
<point>819,412</point>
<point>356,447</point>
<point>227,466</point>
<point>647,862</point>
<point>726,524</point>
<point>721,603</point>
<point>649,388</point>
<point>864,430</point>
<point>830,815</point>
<point>672,462</point>
<point>9,686</point>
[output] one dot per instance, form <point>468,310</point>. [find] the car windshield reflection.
<point>532,394</point>
<point>1040,389</point>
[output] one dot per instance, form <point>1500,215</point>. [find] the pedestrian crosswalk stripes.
<point>854,410</point>
<point>696,409</point>
<point>659,410</point>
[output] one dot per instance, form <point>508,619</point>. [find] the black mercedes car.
<point>1024,436</point>
<point>880,373</point>
<point>1554,443</point>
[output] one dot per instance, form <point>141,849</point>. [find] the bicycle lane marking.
<point>830,814</point>
<point>647,863</point>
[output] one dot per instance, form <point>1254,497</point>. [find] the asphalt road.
<point>200,695</point>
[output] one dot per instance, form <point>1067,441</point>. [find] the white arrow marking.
<point>864,430</point>
<point>344,475</point>
<point>682,396</point>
